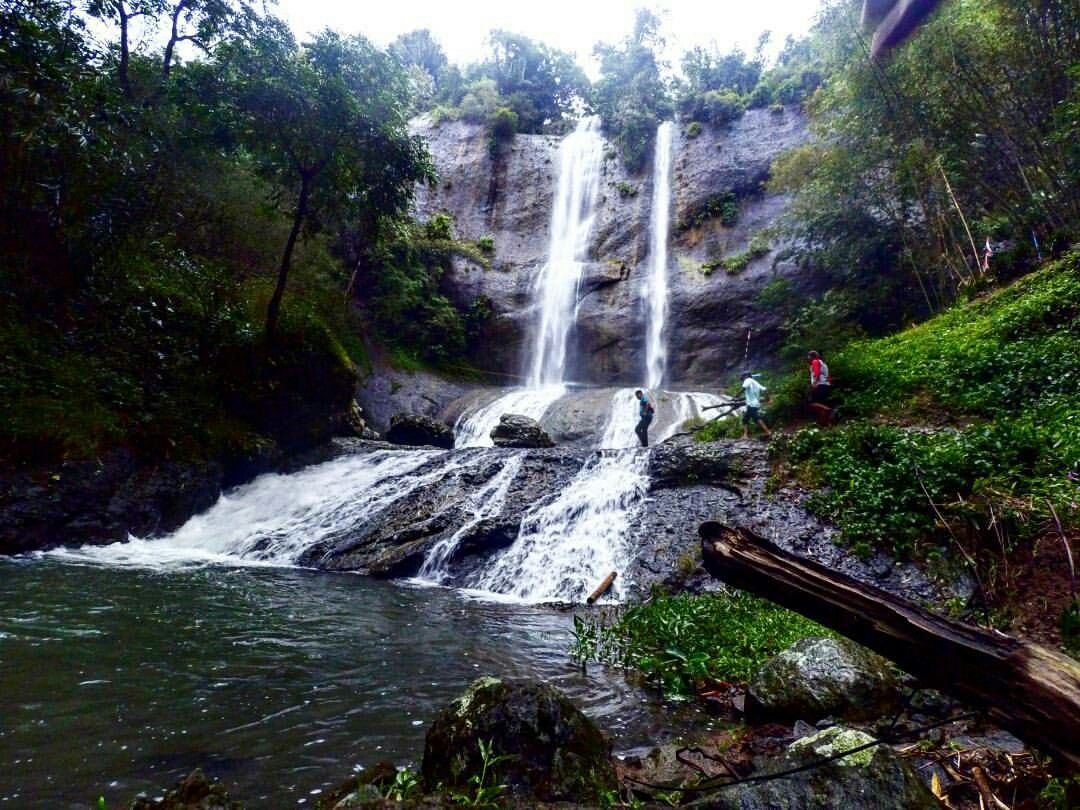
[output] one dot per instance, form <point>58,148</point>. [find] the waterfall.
<point>276,518</point>
<point>655,287</point>
<point>687,407</point>
<point>555,291</point>
<point>621,421</point>
<point>567,542</point>
<point>484,503</point>
<point>566,546</point>
<point>474,429</point>
<point>573,212</point>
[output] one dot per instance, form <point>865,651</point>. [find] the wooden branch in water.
<point>1027,689</point>
<point>610,578</point>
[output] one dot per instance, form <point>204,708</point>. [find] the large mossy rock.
<point>823,677</point>
<point>515,430</point>
<point>555,753</point>
<point>872,779</point>
<point>419,430</point>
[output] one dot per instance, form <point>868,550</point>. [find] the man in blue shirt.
<point>645,412</point>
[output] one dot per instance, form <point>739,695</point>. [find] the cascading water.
<point>581,155</point>
<point>621,421</point>
<point>276,518</point>
<point>688,407</point>
<point>474,429</point>
<point>555,292</point>
<point>655,287</point>
<point>566,546</point>
<point>485,502</point>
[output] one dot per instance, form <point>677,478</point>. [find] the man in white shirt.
<point>753,390</point>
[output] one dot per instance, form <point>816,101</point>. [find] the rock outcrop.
<point>515,430</point>
<point>685,462</point>
<point>106,499</point>
<point>510,200</point>
<point>419,431</point>
<point>551,750</point>
<point>824,677</point>
<point>443,504</point>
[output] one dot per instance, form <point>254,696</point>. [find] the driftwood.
<point>602,589</point>
<point>1029,690</point>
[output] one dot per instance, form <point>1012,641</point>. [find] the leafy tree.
<point>631,96</point>
<point>540,84</point>
<point>326,122</point>
<point>424,61</point>
<point>202,23</point>
<point>961,137</point>
<point>420,48</point>
<point>123,13</point>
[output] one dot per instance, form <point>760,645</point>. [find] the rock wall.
<point>508,196</point>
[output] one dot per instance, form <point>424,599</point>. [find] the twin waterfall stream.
<point>567,543</point>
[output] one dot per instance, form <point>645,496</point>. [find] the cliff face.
<point>719,207</point>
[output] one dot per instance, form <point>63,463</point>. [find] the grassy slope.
<point>959,444</point>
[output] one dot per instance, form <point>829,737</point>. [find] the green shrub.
<point>694,129</point>
<point>776,295</point>
<point>504,123</point>
<point>486,244</point>
<point>717,107</point>
<point>723,206</point>
<point>683,643</point>
<point>440,226</point>
<point>879,480</point>
<point>626,190</point>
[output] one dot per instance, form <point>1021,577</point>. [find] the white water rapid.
<point>276,518</point>
<point>484,503</point>
<point>655,287</point>
<point>568,545</point>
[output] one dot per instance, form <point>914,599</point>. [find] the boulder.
<point>193,792</point>
<point>419,430</point>
<point>685,462</point>
<point>872,779</point>
<point>553,751</point>
<point>515,430</point>
<point>824,677</point>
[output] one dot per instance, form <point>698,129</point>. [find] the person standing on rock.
<point>820,389</point>
<point>753,390</point>
<point>646,411</point>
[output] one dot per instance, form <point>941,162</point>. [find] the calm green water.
<point>280,682</point>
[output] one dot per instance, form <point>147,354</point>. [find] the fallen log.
<point>1027,689</point>
<point>600,591</point>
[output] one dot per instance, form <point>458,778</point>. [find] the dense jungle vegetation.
<point>201,220</point>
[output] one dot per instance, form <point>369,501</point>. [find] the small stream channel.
<point>278,681</point>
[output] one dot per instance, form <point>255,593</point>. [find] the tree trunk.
<point>174,37</point>
<point>125,52</point>
<point>1029,690</point>
<point>274,309</point>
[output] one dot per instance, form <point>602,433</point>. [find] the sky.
<point>570,25</point>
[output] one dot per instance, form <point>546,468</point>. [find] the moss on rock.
<point>552,750</point>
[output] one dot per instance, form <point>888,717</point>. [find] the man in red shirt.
<point>820,389</point>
